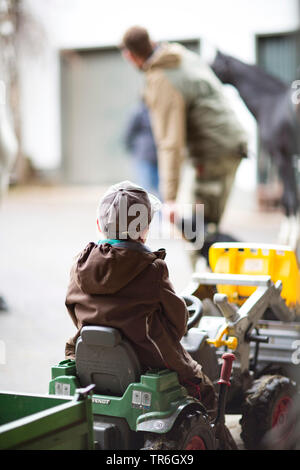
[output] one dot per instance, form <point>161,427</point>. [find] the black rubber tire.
<point>190,429</point>
<point>268,396</point>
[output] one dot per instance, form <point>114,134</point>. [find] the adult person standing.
<point>191,116</point>
<point>139,141</point>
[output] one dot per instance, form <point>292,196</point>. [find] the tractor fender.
<point>161,423</point>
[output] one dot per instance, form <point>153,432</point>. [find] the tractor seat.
<point>105,358</point>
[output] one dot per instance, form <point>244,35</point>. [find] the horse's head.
<point>221,68</point>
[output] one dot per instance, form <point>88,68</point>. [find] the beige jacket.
<point>189,112</point>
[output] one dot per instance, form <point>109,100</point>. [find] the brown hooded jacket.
<point>126,286</point>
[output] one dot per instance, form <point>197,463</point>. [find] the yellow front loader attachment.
<point>278,262</point>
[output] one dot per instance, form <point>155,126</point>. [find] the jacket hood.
<point>105,268</point>
<point>166,55</point>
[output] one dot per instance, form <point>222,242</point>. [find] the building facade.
<point>77,90</point>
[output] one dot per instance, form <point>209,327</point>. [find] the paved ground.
<point>42,229</point>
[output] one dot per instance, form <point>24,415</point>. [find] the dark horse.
<point>270,102</point>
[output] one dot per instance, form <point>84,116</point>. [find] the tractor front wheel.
<point>191,431</point>
<point>266,406</point>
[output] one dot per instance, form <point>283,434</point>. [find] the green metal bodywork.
<point>45,422</point>
<point>150,405</point>
<point>64,419</point>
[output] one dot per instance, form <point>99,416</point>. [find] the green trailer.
<point>44,422</point>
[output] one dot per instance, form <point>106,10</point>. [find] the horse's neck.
<point>255,86</point>
<point>249,97</point>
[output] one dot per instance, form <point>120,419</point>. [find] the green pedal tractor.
<point>252,310</point>
<point>135,410</point>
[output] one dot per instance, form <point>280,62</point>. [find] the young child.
<point>121,283</point>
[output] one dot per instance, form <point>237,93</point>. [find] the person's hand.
<point>169,210</point>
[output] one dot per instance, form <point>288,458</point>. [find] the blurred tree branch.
<point>17,28</point>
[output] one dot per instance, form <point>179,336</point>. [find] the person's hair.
<point>136,39</point>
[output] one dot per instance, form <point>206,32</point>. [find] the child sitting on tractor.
<point>119,282</point>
